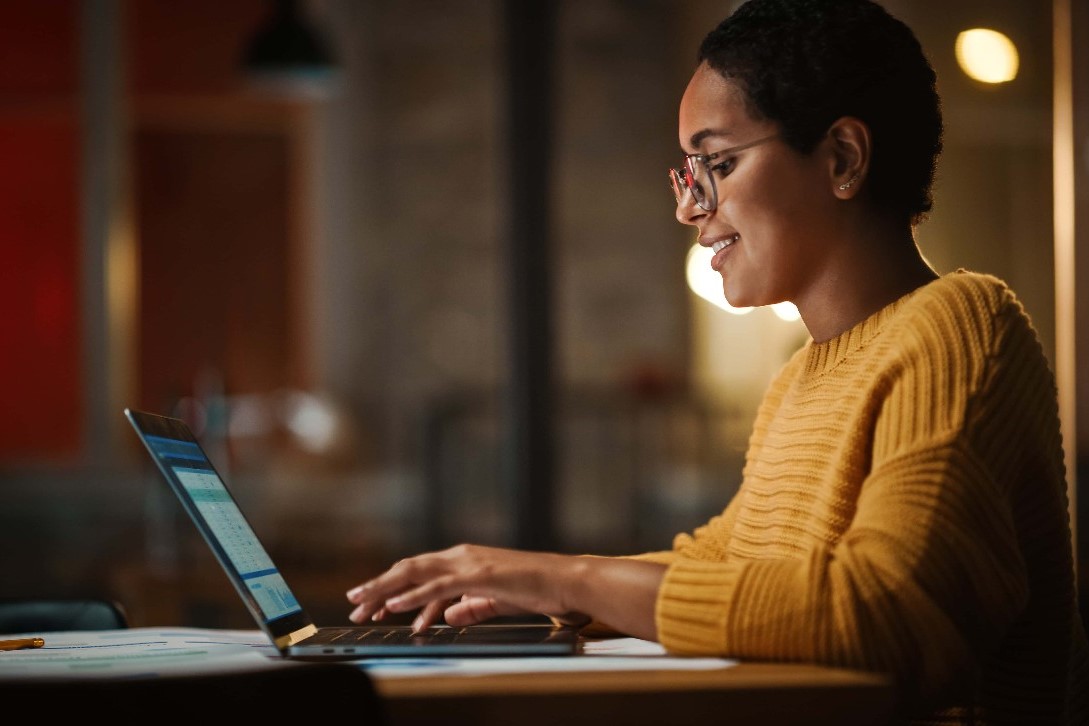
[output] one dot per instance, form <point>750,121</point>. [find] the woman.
<point>903,505</point>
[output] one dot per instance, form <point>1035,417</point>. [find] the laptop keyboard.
<point>387,635</point>
<point>395,634</point>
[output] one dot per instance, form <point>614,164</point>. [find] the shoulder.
<point>964,291</point>
<point>968,332</point>
<point>963,308</point>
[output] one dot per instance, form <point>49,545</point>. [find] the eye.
<point>724,167</point>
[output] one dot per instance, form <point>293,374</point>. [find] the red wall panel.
<point>40,386</point>
<point>40,368</point>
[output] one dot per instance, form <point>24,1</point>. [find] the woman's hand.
<point>467,584</point>
<point>470,583</point>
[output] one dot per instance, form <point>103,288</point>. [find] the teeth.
<point>723,244</point>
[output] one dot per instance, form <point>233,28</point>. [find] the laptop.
<point>266,594</point>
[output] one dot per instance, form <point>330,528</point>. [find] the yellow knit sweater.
<point>903,510</point>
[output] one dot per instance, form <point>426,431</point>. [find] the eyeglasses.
<point>696,175</point>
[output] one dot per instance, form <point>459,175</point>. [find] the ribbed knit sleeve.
<point>902,510</point>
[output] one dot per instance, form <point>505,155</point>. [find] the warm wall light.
<point>786,311</point>
<point>707,283</point>
<point>987,55</point>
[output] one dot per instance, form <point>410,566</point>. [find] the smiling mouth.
<point>724,243</point>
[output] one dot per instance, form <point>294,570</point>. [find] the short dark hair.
<point>805,63</point>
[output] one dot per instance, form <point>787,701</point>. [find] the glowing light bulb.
<point>987,55</point>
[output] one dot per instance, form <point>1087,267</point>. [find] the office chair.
<point>31,615</point>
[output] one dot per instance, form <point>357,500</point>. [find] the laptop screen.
<point>211,506</point>
<point>187,465</point>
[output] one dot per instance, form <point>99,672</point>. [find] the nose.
<point>688,212</point>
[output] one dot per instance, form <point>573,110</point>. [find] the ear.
<point>849,144</point>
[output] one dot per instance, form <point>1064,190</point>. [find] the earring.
<point>847,184</point>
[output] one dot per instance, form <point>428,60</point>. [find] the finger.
<point>470,610</point>
<point>367,611</point>
<point>440,588</point>
<point>370,596</point>
<point>364,589</point>
<point>389,583</point>
<point>477,609</point>
<point>429,615</point>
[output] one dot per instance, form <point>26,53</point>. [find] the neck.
<point>874,271</point>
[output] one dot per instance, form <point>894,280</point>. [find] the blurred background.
<point>410,270</point>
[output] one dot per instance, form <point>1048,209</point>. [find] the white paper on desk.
<point>615,654</point>
<point>625,647</point>
<point>141,653</point>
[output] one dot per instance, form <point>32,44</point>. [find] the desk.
<point>189,669</point>
<point>761,693</point>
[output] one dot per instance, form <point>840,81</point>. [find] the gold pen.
<point>20,643</point>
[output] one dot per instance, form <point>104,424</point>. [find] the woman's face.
<point>774,204</point>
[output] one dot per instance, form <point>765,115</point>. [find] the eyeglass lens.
<point>694,176</point>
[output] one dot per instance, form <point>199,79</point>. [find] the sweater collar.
<point>823,357</point>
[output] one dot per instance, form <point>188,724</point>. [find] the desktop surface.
<point>772,694</point>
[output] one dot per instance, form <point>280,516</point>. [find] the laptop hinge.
<point>295,636</point>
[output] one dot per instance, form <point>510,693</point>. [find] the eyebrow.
<point>698,137</point>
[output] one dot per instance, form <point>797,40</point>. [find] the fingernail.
<point>418,624</point>
<point>354,592</point>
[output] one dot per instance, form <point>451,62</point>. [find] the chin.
<point>735,300</point>
<point>739,297</point>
